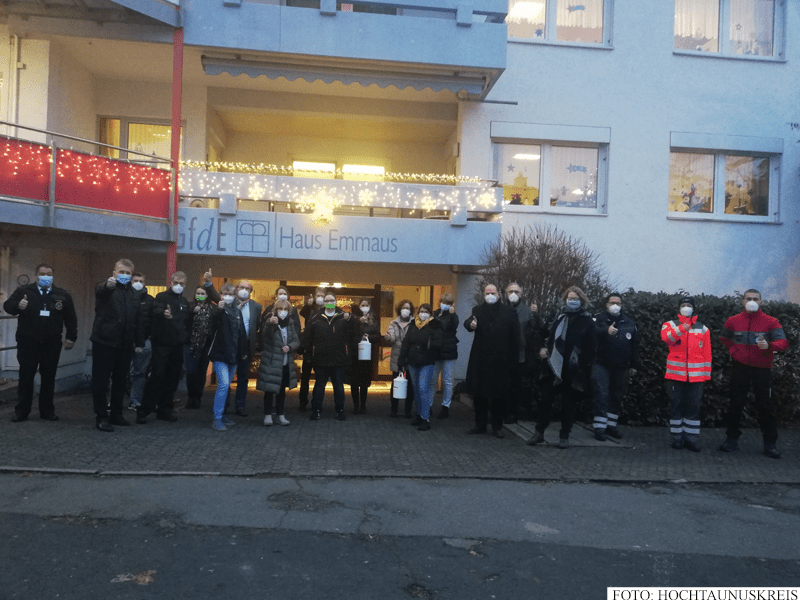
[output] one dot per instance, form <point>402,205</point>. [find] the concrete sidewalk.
<point>372,445</point>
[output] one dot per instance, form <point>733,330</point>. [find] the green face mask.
<point>330,305</point>
<point>200,298</point>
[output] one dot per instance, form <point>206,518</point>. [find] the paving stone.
<point>373,445</point>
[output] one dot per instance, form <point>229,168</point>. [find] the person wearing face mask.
<point>394,338</point>
<point>279,341</point>
<point>688,366</point>
<point>360,372</point>
<point>43,313</point>
<point>117,333</point>
<point>328,336</point>
<point>752,337</point>
<point>283,294</point>
<point>495,351</point>
<point>171,324</point>
<point>617,359</point>
<point>520,403</point>
<point>141,360</point>
<point>312,307</point>
<point>228,344</point>
<point>251,315</point>
<point>446,359</point>
<point>570,349</point>
<point>195,355</point>
<point>420,347</point>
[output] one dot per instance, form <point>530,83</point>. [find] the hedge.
<point>647,403</point>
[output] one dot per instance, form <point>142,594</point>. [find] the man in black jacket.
<point>171,318</point>
<point>326,337</point>
<point>312,307</point>
<point>495,351</point>
<point>44,311</point>
<point>617,358</point>
<point>116,331</point>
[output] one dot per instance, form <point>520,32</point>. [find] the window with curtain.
<point>568,173</point>
<point>720,184</point>
<point>151,138</point>
<point>735,27</point>
<point>557,20</point>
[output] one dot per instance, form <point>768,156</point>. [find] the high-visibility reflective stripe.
<point>699,365</point>
<point>674,372</point>
<point>670,337</point>
<point>676,429</point>
<point>675,422</point>
<point>676,363</point>
<point>691,423</point>
<point>691,430</point>
<point>612,416</point>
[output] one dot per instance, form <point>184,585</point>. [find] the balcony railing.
<point>59,177</point>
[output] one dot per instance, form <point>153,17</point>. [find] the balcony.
<point>53,186</point>
<point>451,45</point>
<point>246,214</point>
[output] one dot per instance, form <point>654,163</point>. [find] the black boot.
<point>395,403</point>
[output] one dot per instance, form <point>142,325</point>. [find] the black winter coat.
<point>31,325</point>
<point>328,338</point>
<point>449,322</point>
<point>577,349</point>
<point>146,309</point>
<point>421,346</point>
<point>117,317</point>
<point>495,349</point>
<point>174,331</point>
<point>620,350</point>
<point>361,372</point>
<point>228,341</point>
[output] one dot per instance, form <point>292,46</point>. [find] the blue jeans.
<point>141,360</point>
<point>445,367</point>
<point>224,377</point>
<point>421,379</point>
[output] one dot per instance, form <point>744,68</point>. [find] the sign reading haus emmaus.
<point>362,239</point>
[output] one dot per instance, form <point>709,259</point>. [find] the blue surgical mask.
<point>445,307</point>
<point>573,304</point>
<point>123,278</point>
<point>45,281</point>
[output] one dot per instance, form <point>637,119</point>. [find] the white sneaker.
<point>268,420</point>
<point>282,420</point>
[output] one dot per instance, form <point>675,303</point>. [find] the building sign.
<point>360,239</point>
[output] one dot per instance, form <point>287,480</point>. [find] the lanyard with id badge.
<point>44,312</point>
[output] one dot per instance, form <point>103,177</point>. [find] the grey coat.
<point>270,371</point>
<point>397,331</point>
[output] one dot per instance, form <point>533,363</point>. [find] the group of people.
<point>593,356</point>
<point>577,356</point>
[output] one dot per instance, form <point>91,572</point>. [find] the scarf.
<point>201,327</point>
<point>420,323</point>
<point>556,359</point>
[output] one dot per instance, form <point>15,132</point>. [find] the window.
<point>729,27</point>
<point>556,168</point>
<point>153,138</point>
<point>729,184</point>
<point>558,20</point>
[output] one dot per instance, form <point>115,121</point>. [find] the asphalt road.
<point>74,536</point>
